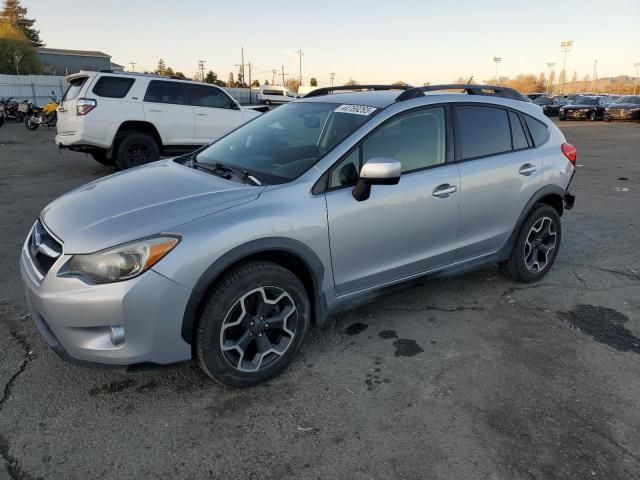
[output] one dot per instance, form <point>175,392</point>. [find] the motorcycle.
<point>12,110</point>
<point>46,116</point>
<point>1,115</point>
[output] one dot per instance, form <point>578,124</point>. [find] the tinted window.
<point>537,129</point>
<point>202,96</point>
<point>165,92</point>
<point>517,132</point>
<point>272,92</point>
<point>417,140</point>
<point>113,87</point>
<point>482,131</point>
<point>74,88</point>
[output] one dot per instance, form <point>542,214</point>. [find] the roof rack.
<point>327,90</point>
<point>490,90</point>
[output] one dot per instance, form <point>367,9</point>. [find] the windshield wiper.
<point>224,171</point>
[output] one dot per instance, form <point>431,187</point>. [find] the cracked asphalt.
<point>467,377</point>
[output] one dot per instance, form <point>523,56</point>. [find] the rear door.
<point>214,111</point>
<point>499,172</point>
<point>166,107</point>
<point>68,122</point>
<point>400,230</point>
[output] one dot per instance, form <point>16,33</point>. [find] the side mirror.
<point>235,106</point>
<point>376,171</point>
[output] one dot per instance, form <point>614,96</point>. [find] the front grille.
<point>43,248</point>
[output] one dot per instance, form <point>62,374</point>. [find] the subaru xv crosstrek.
<point>228,255</point>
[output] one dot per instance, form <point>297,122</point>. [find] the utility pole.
<point>332,75</point>
<point>201,68</point>
<point>133,66</point>
<point>300,53</point>
<point>565,47</point>
<point>550,65</point>
<point>250,93</point>
<point>273,76</point>
<point>242,60</point>
<point>497,60</point>
<point>283,74</point>
<point>594,81</point>
<point>635,83</point>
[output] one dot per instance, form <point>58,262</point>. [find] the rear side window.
<point>272,92</point>
<point>113,87</point>
<point>160,91</point>
<point>537,129</point>
<point>212,97</point>
<point>482,131</point>
<point>74,88</point>
<point>517,132</point>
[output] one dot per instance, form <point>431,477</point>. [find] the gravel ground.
<point>470,377</point>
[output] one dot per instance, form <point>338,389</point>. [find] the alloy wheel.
<point>540,244</point>
<point>258,329</point>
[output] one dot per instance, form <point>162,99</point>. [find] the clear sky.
<point>369,41</point>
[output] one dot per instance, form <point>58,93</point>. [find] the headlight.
<point>123,261</point>
<point>584,109</point>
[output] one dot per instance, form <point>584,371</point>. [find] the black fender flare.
<point>237,254</point>
<point>505,252</point>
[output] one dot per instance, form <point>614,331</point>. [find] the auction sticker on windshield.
<point>355,109</point>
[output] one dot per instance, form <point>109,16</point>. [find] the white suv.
<point>129,119</point>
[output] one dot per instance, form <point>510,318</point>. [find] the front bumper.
<point>574,115</point>
<point>76,318</point>
<point>622,115</point>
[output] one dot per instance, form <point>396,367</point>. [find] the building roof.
<point>77,53</point>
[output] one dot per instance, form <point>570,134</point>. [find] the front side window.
<point>284,143</point>
<point>113,87</point>
<point>211,97</point>
<point>160,91</point>
<point>416,139</point>
<point>482,131</point>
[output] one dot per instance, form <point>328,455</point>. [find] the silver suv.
<point>229,254</point>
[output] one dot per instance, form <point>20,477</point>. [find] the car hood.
<point>139,202</point>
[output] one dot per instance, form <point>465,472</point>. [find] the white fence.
<point>38,88</point>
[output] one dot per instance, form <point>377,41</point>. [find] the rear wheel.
<point>536,247</point>
<point>30,123</point>
<point>100,156</point>
<point>252,325</point>
<point>593,116</point>
<point>136,149</point>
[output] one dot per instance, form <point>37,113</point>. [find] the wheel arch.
<point>288,253</point>
<point>552,195</point>
<point>137,126</point>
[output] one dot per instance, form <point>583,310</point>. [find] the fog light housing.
<point>116,335</point>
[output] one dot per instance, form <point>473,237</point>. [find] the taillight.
<point>85,105</point>
<point>570,152</point>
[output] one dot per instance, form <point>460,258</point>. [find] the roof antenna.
<point>469,81</point>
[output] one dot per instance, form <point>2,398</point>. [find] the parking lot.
<point>467,377</point>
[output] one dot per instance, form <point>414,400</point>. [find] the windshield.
<point>542,101</point>
<point>629,99</point>
<point>586,101</point>
<point>284,143</point>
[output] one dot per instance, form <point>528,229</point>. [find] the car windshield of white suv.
<point>282,144</point>
<point>629,99</point>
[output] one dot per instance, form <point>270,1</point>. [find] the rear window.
<point>273,92</point>
<point>74,88</point>
<point>160,91</point>
<point>537,129</point>
<point>483,131</point>
<point>113,87</point>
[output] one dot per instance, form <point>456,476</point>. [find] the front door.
<point>214,113</point>
<point>400,230</point>
<point>166,107</point>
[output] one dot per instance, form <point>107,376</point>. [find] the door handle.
<point>444,190</point>
<point>201,114</point>
<point>527,169</point>
<point>155,110</point>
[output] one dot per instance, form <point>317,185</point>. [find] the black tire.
<point>593,116</point>
<point>135,149</point>
<point>30,124</point>
<point>1,119</point>
<point>562,119</point>
<point>516,267</point>
<point>19,118</point>
<point>230,294</point>
<point>100,156</point>
<point>267,102</point>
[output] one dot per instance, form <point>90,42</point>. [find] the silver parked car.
<point>229,254</point>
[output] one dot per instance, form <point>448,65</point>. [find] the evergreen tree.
<point>161,68</point>
<point>16,15</point>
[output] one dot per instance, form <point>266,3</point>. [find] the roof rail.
<point>490,90</point>
<point>327,90</point>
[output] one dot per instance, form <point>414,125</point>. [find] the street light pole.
<point>300,53</point>
<point>550,65</point>
<point>595,76</point>
<point>332,75</point>
<point>133,66</point>
<point>497,60</point>
<point>635,83</point>
<point>565,47</point>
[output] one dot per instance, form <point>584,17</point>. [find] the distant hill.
<point>622,84</point>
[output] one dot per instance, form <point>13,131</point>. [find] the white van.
<point>273,94</point>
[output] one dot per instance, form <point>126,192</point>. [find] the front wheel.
<point>593,116</point>
<point>536,247</point>
<point>252,325</point>
<point>31,123</point>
